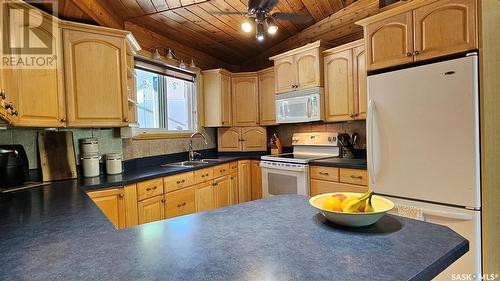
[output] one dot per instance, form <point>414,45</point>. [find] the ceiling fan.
<point>259,11</point>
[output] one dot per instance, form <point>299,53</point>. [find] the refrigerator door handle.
<point>371,121</point>
<point>445,214</point>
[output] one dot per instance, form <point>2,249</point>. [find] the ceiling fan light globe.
<point>272,29</point>
<point>260,37</point>
<point>246,26</point>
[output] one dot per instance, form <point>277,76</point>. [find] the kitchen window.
<point>166,98</point>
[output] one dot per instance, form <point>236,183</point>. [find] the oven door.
<point>284,178</point>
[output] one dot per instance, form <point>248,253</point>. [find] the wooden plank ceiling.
<point>194,23</point>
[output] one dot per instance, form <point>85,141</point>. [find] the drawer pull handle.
<point>184,204</point>
<point>151,188</point>
<point>356,177</point>
<point>182,181</point>
<point>324,173</point>
<point>121,195</point>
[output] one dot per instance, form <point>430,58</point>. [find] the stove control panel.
<point>315,139</point>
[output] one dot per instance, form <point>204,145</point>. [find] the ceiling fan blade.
<point>229,13</point>
<point>253,5</point>
<point>299,18</point>
<point>268,5</point>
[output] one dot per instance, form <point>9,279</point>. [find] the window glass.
<point>165,102</point>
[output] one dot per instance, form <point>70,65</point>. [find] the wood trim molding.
<point>98,12</point>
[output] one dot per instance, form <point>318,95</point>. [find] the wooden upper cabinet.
<point>360,81</point>
<point>284,71</point>
<point>445,27</point>
<point>418,31</point>
<point>308,69</point>
<point>339,95</point>
<point>254,139</point>
<point>390,41</point>
<point>245,99</point>
<point>96,81</point>
<point>267,95</point>
<point>299,68</point>
<point>111,203</point>
<point>217,98</point>
<point>229,139</point>
<point>37,94</point>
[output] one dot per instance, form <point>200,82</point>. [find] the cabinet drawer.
<point>178,181</point>
<point>319,186</point>
<point>221,170</point>
<point>150,188</point>
<point>325,173</point>
<point>233,167</point>
<point>203,175</point>
<point>354,176</point>
<point>180,202</point>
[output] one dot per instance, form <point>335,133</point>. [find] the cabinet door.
<point>233,189</point>
<point>308,69</point>
<point>445,27</point>
<point>36,93</point>
<point>222,193</point>
<point>96,87</point>
<point>254,139</point>
<point>320,186</point>
<point>226,114</point>
<point>284,73</point>
<point>390,41</point>
<point>152,209</point>
<point>339,92</point>
<point>245,100</point>
<point>244,181</point>
<point>256,180</point>
<point>229,139</point>
<point>180,202</point>
<point>360,82</point>
<point>111,203</point>
<point>205,197</point>
<point>267,97</point>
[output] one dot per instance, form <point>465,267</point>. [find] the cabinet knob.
<point>121,195</point>
<point>14,113</point>
<point>409,54</point>
<point>3,95</point>
<point>9,105</point>
<point>63,120</point>
<point>125,119</point>
<point>416,53</point>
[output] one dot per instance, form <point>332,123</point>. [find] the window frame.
<point>164,133</point>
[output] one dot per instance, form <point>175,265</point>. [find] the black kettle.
<point>13,165</point>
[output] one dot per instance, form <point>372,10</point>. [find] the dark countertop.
<point>341,163</point>
<point>141,173</point>
<point>56,233</point>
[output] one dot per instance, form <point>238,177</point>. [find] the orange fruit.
<point>332,204</point>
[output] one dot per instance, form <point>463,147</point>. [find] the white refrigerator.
<point>424,148</point>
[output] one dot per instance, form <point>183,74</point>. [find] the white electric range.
<point>288,173</point>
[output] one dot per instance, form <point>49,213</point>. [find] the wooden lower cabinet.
<point>221,192</point>
<point>321,186</point>
<point>204,197</point>
<point>244,181</point>
<point>111,202</point>
<point>180,202</point>
<point>151,209</point>
<point>233,189</point>
<point>256,180</point>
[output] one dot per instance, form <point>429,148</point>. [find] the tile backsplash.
<point>109,140</point>
<point>285,131</point>
<point>143,148</point>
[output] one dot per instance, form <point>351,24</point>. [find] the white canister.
<point>89,146</point>
<point>90,164</point>
<point>113,163</point>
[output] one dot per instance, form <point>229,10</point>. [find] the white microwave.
<point>300,106</point>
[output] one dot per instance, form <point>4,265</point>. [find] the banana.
<point>353,204</point>
<point>368,206</point>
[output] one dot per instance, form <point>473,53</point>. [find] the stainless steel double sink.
<point>193,163</point>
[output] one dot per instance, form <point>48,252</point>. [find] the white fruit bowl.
<point>380,206</point>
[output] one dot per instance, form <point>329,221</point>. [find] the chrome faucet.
<point>192,153</point>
